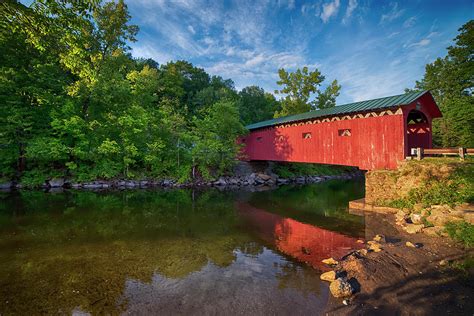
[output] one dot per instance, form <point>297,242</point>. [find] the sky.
<point>373,48</point>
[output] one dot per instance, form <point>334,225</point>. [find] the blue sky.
<point>373,48</point>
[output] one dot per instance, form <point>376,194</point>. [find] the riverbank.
<point>244,175</point>
<point>418,254</point>
<point>401,273</point>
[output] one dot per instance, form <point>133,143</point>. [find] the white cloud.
<point>409,22</point>
<point>393,14</point>
<point>148,51</point>
<point>191,29</point>
<point>350,9</point>
<point>329,9</point>
<point>423,42</point>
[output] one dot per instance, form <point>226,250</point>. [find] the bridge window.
<point>259,138</point>
<point>306,135</point>
<point>345,132</point>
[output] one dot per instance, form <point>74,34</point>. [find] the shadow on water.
<point>171,251</point>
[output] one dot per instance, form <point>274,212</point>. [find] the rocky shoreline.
<point>254,179</point>
<point>400,272</point>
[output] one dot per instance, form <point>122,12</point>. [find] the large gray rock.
<point>264,177</point>
<point>56,182</point>
<point>220,182</point>
<point>300,180</point>
<point>92,186</point>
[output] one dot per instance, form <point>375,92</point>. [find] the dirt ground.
<point>402,280</point>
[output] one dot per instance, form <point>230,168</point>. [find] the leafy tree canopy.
<point>451,81</point>
<point>302,92</point>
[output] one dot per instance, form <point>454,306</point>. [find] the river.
<point>173,252</point>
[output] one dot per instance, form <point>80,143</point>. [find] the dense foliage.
<point>451,81</point>
<point>75,103</point>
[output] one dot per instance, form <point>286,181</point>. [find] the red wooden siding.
<point>374,141</point>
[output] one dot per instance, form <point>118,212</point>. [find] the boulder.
<point>379,238</point>
<point>329,261</point>
<point>220,182</point>
<point>416,218</point>
<point>413,228</point>
<point>264,177</point>
<point>92,186</point>
<point>374,246</point>
<point>233,181</point>
<point>400,217</point>
<point>282,181</point>
<point>328,276</point>
<point>131,184</point>
<point>56,182</point>
<point>300,180</point>
<point>340,288</point>
<point>167,183</point>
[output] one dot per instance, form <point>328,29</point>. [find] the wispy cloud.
<point>350,9</point>
<point>248,41</point>
<point>409,22</point>
<point>394,13</point>
<point>423,42</point>
<point>329,9</point>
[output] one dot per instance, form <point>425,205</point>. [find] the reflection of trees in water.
<point>78,248</point>
<point>60,251</point>
<point>252,249</point>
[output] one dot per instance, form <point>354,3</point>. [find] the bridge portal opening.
<point>418,130</point>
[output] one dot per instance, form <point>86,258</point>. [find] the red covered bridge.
<point>373,134</point>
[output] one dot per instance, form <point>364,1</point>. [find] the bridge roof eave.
<point>351,108</point>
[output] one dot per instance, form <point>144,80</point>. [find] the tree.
<point>215,137</point>
<point>256,105</point>
<point>451,81</point>
<point>300,87</point>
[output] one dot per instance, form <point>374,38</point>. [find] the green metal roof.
<point>362,106</point>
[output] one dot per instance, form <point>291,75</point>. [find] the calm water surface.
<point>173,252</point>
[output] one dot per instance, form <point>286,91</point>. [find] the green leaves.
<point>451,81</point>
<point>300,87</point>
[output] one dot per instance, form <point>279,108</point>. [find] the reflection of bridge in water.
<point>304,242</point>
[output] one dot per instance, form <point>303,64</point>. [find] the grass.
<point>462,232</point>
<point>455,189</point>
